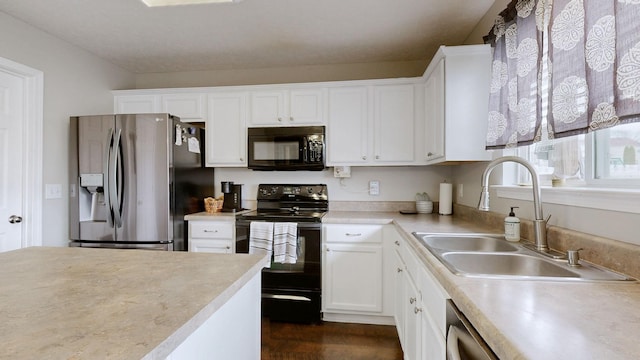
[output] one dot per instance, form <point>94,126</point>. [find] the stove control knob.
<point>310,190</point>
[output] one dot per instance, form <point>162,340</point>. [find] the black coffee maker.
<point>232,196</point>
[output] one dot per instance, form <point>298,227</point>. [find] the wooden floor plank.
<point>329,340</point>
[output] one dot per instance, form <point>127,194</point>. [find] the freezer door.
<point>141,178</point>
<point>89,217</point>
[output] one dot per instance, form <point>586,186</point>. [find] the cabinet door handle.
<point>350,234</point>
<point>397,242</point>
<point>377,157</point>
<point>228,247</point>
<point>210,231</point>
<point>399,270</point>
<point>364,158</point>
<point>429,154</point>
<point>280,119</point>
<point>241,159</point>
<point>417,310</point>
<point>291,118</point>
<point>412,300</point>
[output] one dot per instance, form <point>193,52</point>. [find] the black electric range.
<point>290,292</point>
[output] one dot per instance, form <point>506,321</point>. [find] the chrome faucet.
<point>539,224</point>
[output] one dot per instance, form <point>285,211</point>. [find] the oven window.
<point>299,265</point>
<point>276,150</point>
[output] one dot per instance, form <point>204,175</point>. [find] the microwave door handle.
<point>106,186</point>
<point>305,152</point>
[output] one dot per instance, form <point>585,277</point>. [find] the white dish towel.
<point>261,238</point>
<point>285,243</point>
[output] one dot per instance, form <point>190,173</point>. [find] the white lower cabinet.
<point>356,282</point>
<point>212,236</point>
<point>420,309</point>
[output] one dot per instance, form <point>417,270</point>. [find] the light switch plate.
<point>52,191</point>
<point>342,171</point>
<point>374,187</point>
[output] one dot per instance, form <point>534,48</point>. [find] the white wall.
<point>75,83</point>
<point>396,183</point>
<point>278,75</point>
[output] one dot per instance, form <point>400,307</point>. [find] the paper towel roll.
<point>446,199</point>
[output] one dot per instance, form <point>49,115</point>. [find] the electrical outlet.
<point>342,171</point>
<point>374,187</point>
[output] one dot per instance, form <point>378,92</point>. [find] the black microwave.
<point>286,148</point>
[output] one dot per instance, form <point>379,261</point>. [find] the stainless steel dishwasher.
<point>463,341</point>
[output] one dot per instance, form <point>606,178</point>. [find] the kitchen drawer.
<point>353,233</point>
<point>211,229</point>
<point>211,246</point>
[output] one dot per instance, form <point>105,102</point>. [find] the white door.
<point>21,192</point>
<point>11,160</point>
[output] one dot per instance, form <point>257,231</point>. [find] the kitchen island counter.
<point>525,319</point>
<point>83,303</point>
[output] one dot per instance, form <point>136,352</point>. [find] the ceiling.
<point>253,33</point>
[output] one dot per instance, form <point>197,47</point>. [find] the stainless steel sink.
<point>467,242</point>
<point>504,264</point>
<point>490,256</point>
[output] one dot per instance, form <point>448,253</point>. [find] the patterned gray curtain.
<point>579,59</point>
<point>595,58</point>
<point>514,101</point>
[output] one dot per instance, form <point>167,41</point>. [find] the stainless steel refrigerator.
<point>132,180</point>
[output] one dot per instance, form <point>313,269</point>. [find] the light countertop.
<point>527,319</point>
<point>83,303</point>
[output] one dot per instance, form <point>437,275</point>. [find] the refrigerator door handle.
<point>115,193</point>
<point>106,186</point>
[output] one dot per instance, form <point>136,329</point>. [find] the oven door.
<point>305,273</point>
<point>290,292</point>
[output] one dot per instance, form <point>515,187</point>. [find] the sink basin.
<point>490,256</point>
<point>505,264</point>
<point>465,242</point>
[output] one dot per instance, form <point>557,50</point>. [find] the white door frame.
<point>32,140</point>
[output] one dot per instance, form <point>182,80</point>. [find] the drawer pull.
<point>397,242</point>
<point>210,231</point>
<point>350,234</point>
<point>412,300</point>
<point>417,310</point>
<point>399,270</point>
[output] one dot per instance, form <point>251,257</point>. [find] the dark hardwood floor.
<point>328,340</point>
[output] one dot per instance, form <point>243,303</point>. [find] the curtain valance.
<point>573,64</point>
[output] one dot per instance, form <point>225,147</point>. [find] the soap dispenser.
<point>512,226</point>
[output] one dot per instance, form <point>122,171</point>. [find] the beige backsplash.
<point>615,255</point>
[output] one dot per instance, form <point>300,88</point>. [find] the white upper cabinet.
<point>136,104</point>
<point>287,107</point>
<point>456,104</point>
<point>226,134</point>
<point>188,107</point>
<point>394,123</point>
<point>348,126</point>
<point>434,113</point>
<point>374,125</point>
